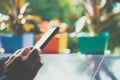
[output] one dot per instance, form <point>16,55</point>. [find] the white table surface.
<point>75,67</point>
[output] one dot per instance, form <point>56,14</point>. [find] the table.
<point>79,67</point>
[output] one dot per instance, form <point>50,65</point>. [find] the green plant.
<point>16,16</point>
<point>98,15</point>
<point>65,10</point>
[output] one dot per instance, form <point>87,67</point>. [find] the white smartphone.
<point>46,38</point>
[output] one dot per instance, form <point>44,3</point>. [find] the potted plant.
<point>96,18</point>
<point>16,20</point>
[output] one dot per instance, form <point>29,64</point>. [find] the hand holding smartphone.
<point>46,38</point>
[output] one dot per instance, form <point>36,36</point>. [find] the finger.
<point>11,58</point>
<point>18,53</point>
<point>25,53</point>
<point>8,62</point>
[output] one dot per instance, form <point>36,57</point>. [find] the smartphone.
<point>46,38</point>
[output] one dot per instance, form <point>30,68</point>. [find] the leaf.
<point>24,7</point>
<point>6,7</point>
<point>80,23</point>
<point>21,3</point>
<point>107,17</point>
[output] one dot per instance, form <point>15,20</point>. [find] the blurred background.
<point>64,13</point>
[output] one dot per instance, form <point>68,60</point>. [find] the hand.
<point>23,64</point>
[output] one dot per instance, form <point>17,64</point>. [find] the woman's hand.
<point>23,64</point>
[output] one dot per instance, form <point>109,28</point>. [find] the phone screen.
<point>46,37</point>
